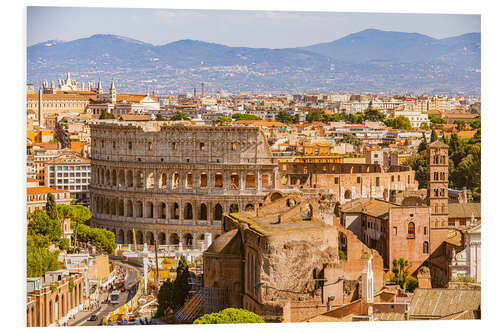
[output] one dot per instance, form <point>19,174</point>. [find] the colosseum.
<point>171,183</point>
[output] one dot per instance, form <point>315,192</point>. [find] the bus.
<point>115,295</point>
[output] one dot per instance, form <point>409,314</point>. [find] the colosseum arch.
<point>138,209</point>
<point>162,210</point>
<point>218,180</point>
<point>275,196</point>
<point>149,209</point>
<point>150,181</point>
<point>107,206</point>
<point>188,240</point>
<point>107,178</point>
<point>113,206</point>
<point>307,212</point>
<point>139,179</point>
<point>249,207</point>
<point>162,238</point>
<point>173,239</point>
<point>175,211</point>
<point>218,212</point>
<point>121,237</point>
<point>150,238</point>
<point>130,237</point>
<point>163,180</point>
<point>113,177</point>
<point>175,180</point>
<point>120,207</point>
<point>139,237</point>
<point>235,181</point>
<point>203,212</point>
<point>250,181</point>
<point>203,180</point>
<point>130,208</point>
<point>189,180</point>
<point>188,211</point>
<point>121,178</point>
<point>130,178</point>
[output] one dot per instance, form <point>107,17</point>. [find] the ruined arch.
<point>173,239</point>
<point>150,238</point>
<point>175,211</point>
<point>150,180</point>
<point>234,208</point>
<point>121,237</point>
<point>140,238</point>
<point>149,209</point>
<point>218,212</point>
<point>188,240</point>
<point>249,207</point>
<point>130,178</point>
<point>203,212</point>
<point>188,211</point>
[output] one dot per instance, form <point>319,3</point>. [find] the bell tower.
<point>437,183</point>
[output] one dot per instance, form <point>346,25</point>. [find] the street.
<point>131,283</point>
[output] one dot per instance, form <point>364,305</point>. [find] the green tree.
<point>352,139</point>
<point>54,141</point>
<point>373,115</point>
<point>77,213</point>
<point>159,117</point>
<point>400,122</point>
<point>411,283</point>
<point>173,294</point>
<point>230,316</point>
<point>314,116</point>
<point>180,116</point>
<point>285,117</point>
<point>418,162</point>
<point>107,115</point>
<point>38,258</point>
<point>475,124</point>
<point>434,136</point>
<point>424,126</point>
<point>422,146</point>
<point>400,271</point>
<point>41,224</point>
<point>244,116</point>
<point>436,120</point>
<point>51,206</point>
<point>222,120</point>
<point>461,125</point>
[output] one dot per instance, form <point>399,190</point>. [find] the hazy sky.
<point>269,29</point>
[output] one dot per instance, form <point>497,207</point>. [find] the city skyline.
<point>256,29</point>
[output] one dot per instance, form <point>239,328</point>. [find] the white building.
<point>416,118</point>
<point>467,263</point>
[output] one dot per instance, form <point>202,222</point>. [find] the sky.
<point>265,29</point>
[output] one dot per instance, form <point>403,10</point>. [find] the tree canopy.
<point>244,116</point>
<point>173,294</point>
<point>285,117</point>
<point>230,316</point>
<point>159,117</point>
<point>400,122</point>
<point>180,116</point>
<point>107,115</point>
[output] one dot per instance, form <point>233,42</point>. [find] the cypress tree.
<point>51,207</point>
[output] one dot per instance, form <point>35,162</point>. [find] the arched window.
<point>411,230</point>
<point>203,212</point>
<point>425,247</point>
<point>218,212</point>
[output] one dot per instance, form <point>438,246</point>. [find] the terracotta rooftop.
<point>131,117</point>
<point>376,208</point>
<point>43,189</point>
<point>464,210</point>
<point>438,303</point>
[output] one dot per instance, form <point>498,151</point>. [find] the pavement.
<point>131,283</point>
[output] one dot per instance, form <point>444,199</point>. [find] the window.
<point>377,181</point>
<point>202,146</point>
<point>336,180</point>
<point>174,145</point>
<point>425,248</point>
<point>130,145</point>
<point>358,180</point>
<point>411,230</point>
<point>395,230</point>
<point>392,178</point>
<point>114,144</point>
<point>425,230</point>
<point>233,146</point>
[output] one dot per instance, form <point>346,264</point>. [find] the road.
<point>133,275</point>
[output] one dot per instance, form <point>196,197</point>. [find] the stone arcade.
<point>173,182</point>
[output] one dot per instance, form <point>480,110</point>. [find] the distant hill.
<point>370,60</point>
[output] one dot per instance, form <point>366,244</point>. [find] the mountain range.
<point>383,62</point>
